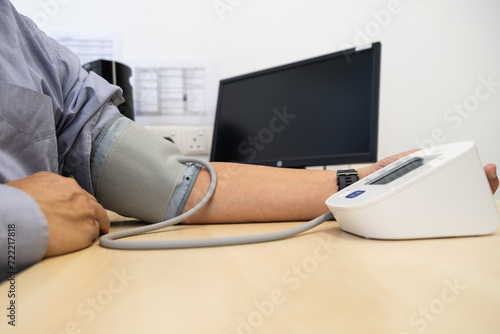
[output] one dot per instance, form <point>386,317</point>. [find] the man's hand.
<point>489,169</point>
<point>363,172</point>
<point>74,217</point>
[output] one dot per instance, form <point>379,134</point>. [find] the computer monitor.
<point>319,111</point>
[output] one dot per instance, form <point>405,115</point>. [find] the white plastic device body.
<point>440,191</point>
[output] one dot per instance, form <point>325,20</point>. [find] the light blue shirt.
<point>50,112</point>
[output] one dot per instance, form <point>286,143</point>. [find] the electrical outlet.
<point>197,140</point>
<point>193,140</point>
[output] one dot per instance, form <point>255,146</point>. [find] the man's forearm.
<point>249,193</point>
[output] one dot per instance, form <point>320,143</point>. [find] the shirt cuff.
<point>24,231</point>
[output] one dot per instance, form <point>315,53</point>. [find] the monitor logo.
<point>257,143</point>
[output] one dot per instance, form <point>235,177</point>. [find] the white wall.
<point>435,54</point>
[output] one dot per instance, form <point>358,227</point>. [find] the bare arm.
<point>249,193</point>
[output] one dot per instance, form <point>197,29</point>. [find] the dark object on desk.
<point>117,74</point>
<point>319,111</point>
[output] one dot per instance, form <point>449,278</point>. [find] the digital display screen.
<point>399,171</point>
<point>320,111</point>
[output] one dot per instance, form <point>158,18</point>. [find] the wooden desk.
<point>325,281</point>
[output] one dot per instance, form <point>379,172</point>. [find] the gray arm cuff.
<point>136,173</point>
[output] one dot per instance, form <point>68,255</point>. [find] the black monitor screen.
<point>320,111</point>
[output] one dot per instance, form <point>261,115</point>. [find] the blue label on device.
<point>355,194</point>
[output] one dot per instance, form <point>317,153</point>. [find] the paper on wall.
<point>175,91</point>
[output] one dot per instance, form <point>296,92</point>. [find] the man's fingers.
<point>102,218</point>
<point>100,215</point>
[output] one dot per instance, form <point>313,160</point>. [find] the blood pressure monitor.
<point>440,191</point>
